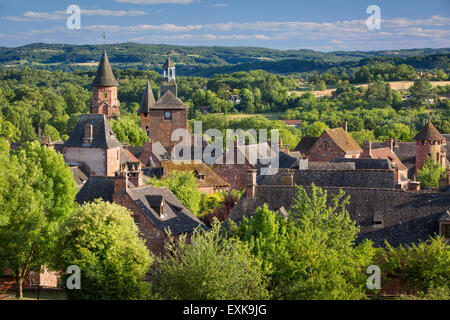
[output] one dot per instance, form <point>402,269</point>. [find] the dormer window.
<point>167,115</point>
<point>156,202</point>
<point>88,134</point>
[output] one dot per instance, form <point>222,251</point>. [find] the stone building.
<point>333,143</point>
<point>397,216</point>
<point>155,210</point>
<point>429,143</point>
<point>161,118</point>
<point>104,91</point>
<point>92,145</point>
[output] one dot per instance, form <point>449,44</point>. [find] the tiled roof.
<point>103,135</point>
<point>95,188</point>
<point>343,139</point>
<point>126,156</point>
<point>429,132</point>
<point>79,175</point>
<point>169,101</point>
<point>386,153</point>
<point>104,76</point>
<point>365,163</point>
<point>210,178</point>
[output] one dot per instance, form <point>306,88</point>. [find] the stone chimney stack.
<point>344,125</point>
<point>251,184</point>
<point>444,183</point>
<point>414,186</point>
<point>136,176</point>
<point>367,150</point>
<point>121,180</point>
<point>390,143</point>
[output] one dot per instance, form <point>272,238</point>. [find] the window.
<point>137,219</point>
<point>167,115</point>
<point>446,230</point>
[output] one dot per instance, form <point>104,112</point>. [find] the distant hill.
<point>206,61</point>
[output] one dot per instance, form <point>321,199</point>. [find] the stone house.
<point>156,211</point>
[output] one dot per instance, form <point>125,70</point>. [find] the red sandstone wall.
<point>161,130</point>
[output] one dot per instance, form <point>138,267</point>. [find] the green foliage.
<point>311,254</point>
<point>212,267</point>
<point>420,91</point>
<point>315,129</point>
<point>430,173</point>
<point>102,239</point>
<point>425,265</point>
<point>36,194</point>
<point>210,202</point>
<point>183,185</point>
<point>127,130</point>
<point>362,135</point>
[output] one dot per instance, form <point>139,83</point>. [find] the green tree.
<point>37,194</point>
<point>425,265</point>
<point>420,91</point>
<point>127,130</point>
<point>315,129</point>
<point>102,239</point>
<point>183,185</point>
<point>430,173</point>
<point>311,254</point>
<point>211,267</point>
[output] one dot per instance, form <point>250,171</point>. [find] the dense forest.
<point>207,61</point>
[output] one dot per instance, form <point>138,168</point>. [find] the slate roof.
<point>103,135</point>
<point>79,175</point>
<point>96,187</point>
<point>169,101</point>
<point>177,218</point>
<point>305,144</point>
<point>126,156</point>
<point>365,163</point>
<point>104,76</point>
<point>343,140</point>
<point>334,165</point>
<point>407,217</point>
<point>429,132</point>
<point>148,99</point>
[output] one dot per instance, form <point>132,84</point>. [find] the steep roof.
<point>343,139</point>
<point>148,99</point>
<point>96,187</point>
<point>388,154</point>
<point>177,218</point>
<point>104,76</point>
<point>361,163</point>
<point>305,144</point>
<point>103,135</point>
<point>429,132</point>
<point>169,101</point>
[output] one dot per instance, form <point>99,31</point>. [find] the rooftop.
<point>104,76</point>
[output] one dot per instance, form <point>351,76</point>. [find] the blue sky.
<point>283,24</point>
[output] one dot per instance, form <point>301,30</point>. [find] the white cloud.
<point>61,15</point>
<point>220,5</point>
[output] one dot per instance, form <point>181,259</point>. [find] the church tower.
<point>168,80</point>
<point>148,99</point>
<point>104,91</point>
<point>429,143</point>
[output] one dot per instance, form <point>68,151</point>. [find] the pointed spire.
<point>429,132</point>
<point>105,76</point>
<point>147,99</point>
<point>169,63</point>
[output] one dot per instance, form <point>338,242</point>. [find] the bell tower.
<point>104,91</point>
<point>168,79</point>
<point>429,143</point>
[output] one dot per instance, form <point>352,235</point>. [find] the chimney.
<point>287,179</point>
<point>413,185</point>
<point>367,149</point>
<point>444,183</point>
<point>251,184</point>
<point>344,125</point>
<point>164,170</point>
<point>148,147</point>
<point>390,143</point>
<point>121,180</point>
<point>88,133</point>
<point>303,164</point>
<point>136,176</point>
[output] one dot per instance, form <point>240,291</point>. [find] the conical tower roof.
<point>104,76</point>
<point>429,132</point>
<point>148,99</point>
